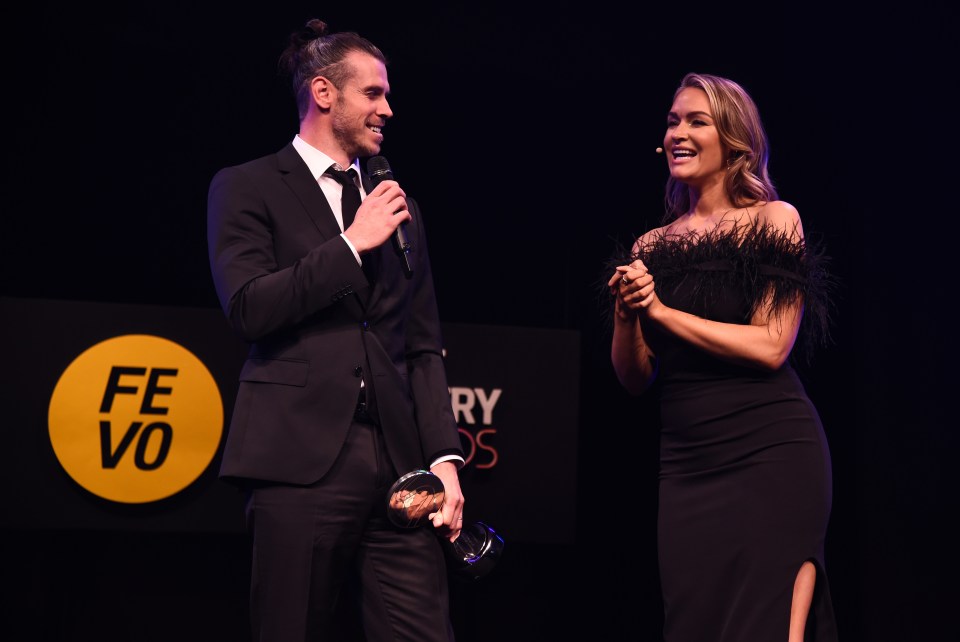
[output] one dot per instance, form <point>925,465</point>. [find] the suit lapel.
<point>301,182</point>
<point>297,176</point>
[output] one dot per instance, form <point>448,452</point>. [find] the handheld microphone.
<point>379,170</point>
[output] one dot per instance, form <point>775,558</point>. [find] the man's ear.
<point>322,91</point>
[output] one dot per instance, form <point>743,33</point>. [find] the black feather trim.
<point>759,259</point>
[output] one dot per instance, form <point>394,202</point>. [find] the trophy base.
<point>475,552</point>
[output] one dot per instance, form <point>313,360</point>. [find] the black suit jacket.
<point>291,287</point>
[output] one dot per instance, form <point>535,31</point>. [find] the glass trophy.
<point>419,494</point>
<point>413,498</point>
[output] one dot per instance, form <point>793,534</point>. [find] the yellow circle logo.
<point>135,418</point>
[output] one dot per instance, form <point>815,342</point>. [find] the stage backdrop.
<point>115,418</point>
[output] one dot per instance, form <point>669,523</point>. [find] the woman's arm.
<point>633,360</point>
<point>765,343</point>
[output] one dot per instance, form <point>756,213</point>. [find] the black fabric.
<point>350,199</point>
<point>745,481</point>
<point>764,265</point>
<point>365,412</point>
<point>349,204</point>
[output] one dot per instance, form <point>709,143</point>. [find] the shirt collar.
<point>317,161</point>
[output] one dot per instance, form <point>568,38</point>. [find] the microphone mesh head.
<point>379,168</point>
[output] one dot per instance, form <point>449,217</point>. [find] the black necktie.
<point>350,199</point>
<point>349,204</point>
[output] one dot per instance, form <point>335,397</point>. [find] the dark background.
<point>527,134</point>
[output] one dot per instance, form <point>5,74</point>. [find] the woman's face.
<point>695,155</point>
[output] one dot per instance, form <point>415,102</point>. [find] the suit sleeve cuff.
<point>352,249</point>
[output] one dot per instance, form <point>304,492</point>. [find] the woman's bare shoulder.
<point>781,215</point>
<point>649,236</point>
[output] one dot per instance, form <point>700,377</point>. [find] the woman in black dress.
<point>707,310</point>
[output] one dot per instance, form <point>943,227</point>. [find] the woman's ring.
<point>623,280</point>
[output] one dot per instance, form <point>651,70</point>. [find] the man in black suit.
<point>344,388</point>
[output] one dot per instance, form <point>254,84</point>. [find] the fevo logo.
<point>135,418</point>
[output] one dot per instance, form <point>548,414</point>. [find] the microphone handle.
<point>403,246</point>
<point>379,170</point>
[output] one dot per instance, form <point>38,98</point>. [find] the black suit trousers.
<point>327,550</point>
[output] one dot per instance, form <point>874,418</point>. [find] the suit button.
<point>358,372</point>
<point>365,325</point>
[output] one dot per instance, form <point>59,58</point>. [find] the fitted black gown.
<point>745,473</point>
